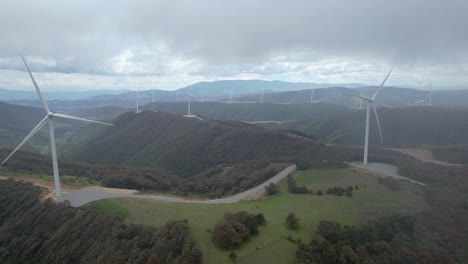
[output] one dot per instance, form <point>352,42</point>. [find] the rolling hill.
<point>186,146</point>
<point>16,122</point>
<point>402,127</point>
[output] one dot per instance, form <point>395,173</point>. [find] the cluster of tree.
<point>272,189</point>
<point>293,188</point>
<point>235,229</point>
<point>224,180</point>
<point>338,191</point>
<point>387,240</point>
<point>49,232</point>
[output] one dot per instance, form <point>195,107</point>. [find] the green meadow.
<point>270,245</point>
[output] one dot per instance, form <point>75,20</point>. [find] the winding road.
<point>385,170</point>
<point>86,195</point>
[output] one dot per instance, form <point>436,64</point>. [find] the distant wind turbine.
<point>137,98</point>
<point>360,99</point>
<point>189,95</point>
<point>49,118</point>
<point>370,102</point>
<point>261,96</point>
<point>430,96</point>
<point>312,93</point>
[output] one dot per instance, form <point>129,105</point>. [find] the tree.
<point>292,221</point>
<point>319,192</point>
<point>272,189</point>
<point>329,230</point>
<point>260,218</point>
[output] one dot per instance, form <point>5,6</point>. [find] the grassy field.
<point>270,246</point>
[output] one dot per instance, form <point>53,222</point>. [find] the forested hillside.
<point>48,232</point>
<point>16,122</point>
<point>401,127</point>
<point>186,146</point>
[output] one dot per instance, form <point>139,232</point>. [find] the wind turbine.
<point>370,102</point>
<point>189,114</point>
<point>138,100</point>
<point>49,118</point>
<point>430,96</point>
<point>360,99</point>
<point>261,96</point>
<point>312,93</point>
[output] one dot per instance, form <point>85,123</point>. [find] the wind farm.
<point>245,132</point>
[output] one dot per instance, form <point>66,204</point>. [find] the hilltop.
<point>252,111</point>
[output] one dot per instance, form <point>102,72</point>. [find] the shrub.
<point>292,222</point>
<point>272,189</point>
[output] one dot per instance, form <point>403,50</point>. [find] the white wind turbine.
<point>49,118</point>
<point>370,102</point>
<point>261,96</point>
<point>137,98</point>
<point>189,95</point>
<point>312,93</point>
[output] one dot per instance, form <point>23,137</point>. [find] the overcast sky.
<point>163,44</point>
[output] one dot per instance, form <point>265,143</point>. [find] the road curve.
<point>89,194</point>
<point>386,170</point>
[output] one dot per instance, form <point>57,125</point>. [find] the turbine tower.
<point>137,98</point>
<point>360,99</point>
<point>49,118</point>
<point>370,103</point>
<point>430,96</point>
<point>261,96</point>
<point>312,93</point>
<point>189,114</point>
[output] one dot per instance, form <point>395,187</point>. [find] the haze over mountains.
<point>242,91</point>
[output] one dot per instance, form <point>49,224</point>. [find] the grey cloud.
<point>84,36</point>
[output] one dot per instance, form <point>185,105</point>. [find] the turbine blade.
<point>79,118</point>
<point>382,84</point>
<point>359,96</point>
<point>38,91</point>
<point>378,122</point>
<point>34,131</point>
<point>189,94</point>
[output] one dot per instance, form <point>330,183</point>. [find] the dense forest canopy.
<point>35,231</point>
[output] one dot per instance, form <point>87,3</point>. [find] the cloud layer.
<point>210,39</point>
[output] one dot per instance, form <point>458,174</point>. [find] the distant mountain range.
<point>6,94</point>
<point>244,91</point>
